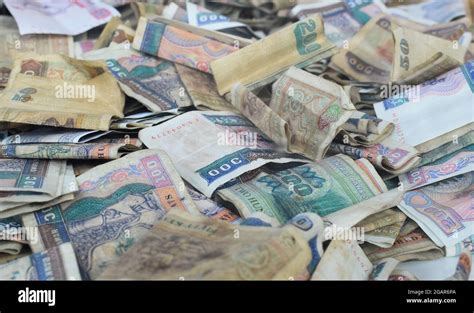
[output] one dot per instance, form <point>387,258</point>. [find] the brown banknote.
<point>186,247</point>
<point>298,100</point>
<point>202,89</point>
<point>55,90</point>
<point>13,42</point>
<point>369,54</point>
<point>420,57</point>
<point>413,246</point>
<point>299,44</point>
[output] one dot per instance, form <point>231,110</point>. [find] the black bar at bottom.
<point>187,296</point>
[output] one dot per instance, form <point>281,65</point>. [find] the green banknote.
<point>322,187</point>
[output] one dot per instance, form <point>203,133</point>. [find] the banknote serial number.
<point>420,292</point>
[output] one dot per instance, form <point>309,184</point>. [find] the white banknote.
<point>210,148</point>
<point>427,111</point>
<point>59,17</point>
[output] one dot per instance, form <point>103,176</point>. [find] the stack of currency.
<point>57,263</point>
<point>31,184</point>
<point>236,140</point>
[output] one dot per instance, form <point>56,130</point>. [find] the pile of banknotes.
<point>236,140</point>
